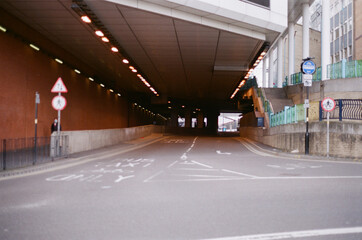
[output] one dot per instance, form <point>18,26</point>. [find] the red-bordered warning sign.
<point>59,103</point>
<point>59,87</point>
<point>328,104</point>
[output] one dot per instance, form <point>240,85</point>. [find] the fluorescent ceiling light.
<point>34,47</point>
<point>105,39</point>
<point>102,85</point>
<point>3,29</point>
<point>125,61</point>
<point>114,49</point>
<point>86,19</point>
<point>99,33</point>
<point>77,71</point>
<point>91,79</point>
<point>58,61</point>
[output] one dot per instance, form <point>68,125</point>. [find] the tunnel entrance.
<point>229,122</point>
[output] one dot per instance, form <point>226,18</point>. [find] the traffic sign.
<point>328,104</point>
<point>59,87</point>
<point>308,67</point>
<point>59,103</point>
<point>308,80</point>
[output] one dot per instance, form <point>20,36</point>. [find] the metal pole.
<point>58,133</point>
<point>37,101</point>
<point>327,134</point>
<point>306,125</point>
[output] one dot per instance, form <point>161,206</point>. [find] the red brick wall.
<point>23,71</point>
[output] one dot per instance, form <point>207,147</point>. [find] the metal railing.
<point>289,115</point>
<point>22,152</point>
<point>343,69</point>
<point>345,109</point>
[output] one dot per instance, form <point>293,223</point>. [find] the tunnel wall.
<point>345,138</point>
<point>25,71</point>
<point>80,141</point>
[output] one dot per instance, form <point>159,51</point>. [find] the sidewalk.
<point>300,156</point>
<point>82,157</point>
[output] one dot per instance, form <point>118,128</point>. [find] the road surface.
<point>185,188</point>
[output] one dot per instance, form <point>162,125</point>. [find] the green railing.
<point>289,115</point>
<point>345,69</point>
<point>338,70</point>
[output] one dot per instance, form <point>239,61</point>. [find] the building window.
<point>331,24</point>
<point>350,38</point>
<point>336,45</point>
<point>336,20</point>
<point>331,49</point>
<point>350,10</point>
<point>264,3</point>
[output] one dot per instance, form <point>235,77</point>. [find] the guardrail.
<point>292,114</point>
<point>21,152</point>
<point>350,109</point>
<point>343,69</point>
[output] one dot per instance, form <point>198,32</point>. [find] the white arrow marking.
<point>219,152</point>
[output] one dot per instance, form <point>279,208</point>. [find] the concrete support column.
<point>306,20</point>
<point>325,58</point>
<point>264,71</point>
<point>200,120</point>
<point>271,80</point>
<point>279,81</point>
<point>291,51</point>
<point>188,118</point>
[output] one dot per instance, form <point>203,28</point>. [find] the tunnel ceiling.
<point>181,60</point>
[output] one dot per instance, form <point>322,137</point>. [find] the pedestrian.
<point>54,126</point>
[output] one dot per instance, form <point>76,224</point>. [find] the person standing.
<point>54,126</point>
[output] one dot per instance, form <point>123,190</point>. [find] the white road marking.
<point>274,166</point>
<point>183,157</point>
<point>106,187</point>
<point>196,169</point>
<point>267,153</point>
<point>296,234</point>
<point>238,173</point>
<point>153,176</point>
<point>204,165</point>
<point>226,153</point>
<point>172,164</point>
<point>121,178</point>
<point>148,164</point>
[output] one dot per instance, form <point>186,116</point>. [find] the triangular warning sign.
<point>59,87</point>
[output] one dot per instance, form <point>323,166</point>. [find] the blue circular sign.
<point>308,67</point>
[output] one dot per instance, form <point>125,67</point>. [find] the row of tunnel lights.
<point>242,83</point>
<point>36,48</point>
<point>100,34</point>
<point>148,111</point>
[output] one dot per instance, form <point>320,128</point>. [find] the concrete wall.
<point>348,88</point>
<point>80,141</point>
<point>345,138</point>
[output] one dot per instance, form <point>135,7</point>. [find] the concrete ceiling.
<point>182,60</point>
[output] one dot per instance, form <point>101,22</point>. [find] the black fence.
<point>345,109</point>
<point>23,152</point>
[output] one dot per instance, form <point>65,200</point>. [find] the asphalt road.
<point>185,188</point>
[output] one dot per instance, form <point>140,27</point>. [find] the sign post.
<point>59,103</point>
<point>328,105</point>
<point>307,68</point>
<point>37,101</point>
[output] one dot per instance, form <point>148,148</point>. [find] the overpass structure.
<point>129,63</point>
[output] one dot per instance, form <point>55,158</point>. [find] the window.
<point>331,24</point>
<point>350,38</point>
<point>337,33</point>
<point>350,10</point>
<point>336,20</point>
<point>336,45</point>
<point>264,3</point>
<point>331,49</point>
